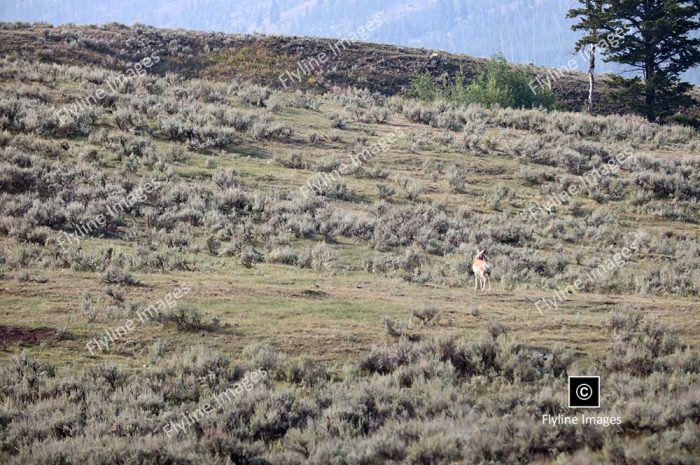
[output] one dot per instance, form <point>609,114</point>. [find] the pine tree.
<point>655,42</point>
<point>591,16</point>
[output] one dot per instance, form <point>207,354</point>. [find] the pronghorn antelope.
<point>482,271</point>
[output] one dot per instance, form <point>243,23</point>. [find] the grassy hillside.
<point>262,59</point>
<point>327,240</point>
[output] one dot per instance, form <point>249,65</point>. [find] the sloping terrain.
<point>263,59</point>
<point>525,31</point>
<point>165,238</point>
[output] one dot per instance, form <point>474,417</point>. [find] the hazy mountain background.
<point>525,31</point>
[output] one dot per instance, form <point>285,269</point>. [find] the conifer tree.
<point>656,41</point>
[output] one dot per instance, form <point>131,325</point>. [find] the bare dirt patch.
<point>311,293</point>
<point>13,334</point>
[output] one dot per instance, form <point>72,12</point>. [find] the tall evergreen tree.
<point>591,19</point>
<point>656,42</point>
